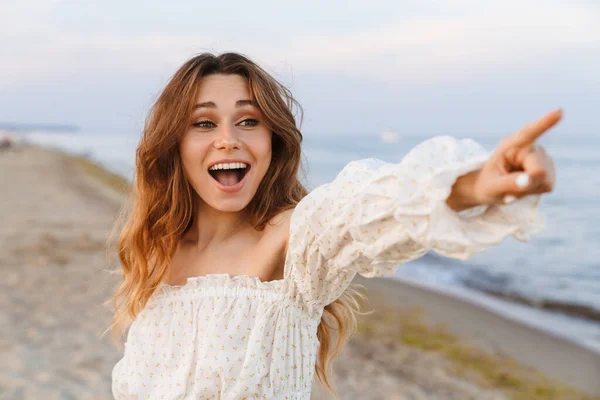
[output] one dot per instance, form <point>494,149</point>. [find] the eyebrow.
<point>239,103</point>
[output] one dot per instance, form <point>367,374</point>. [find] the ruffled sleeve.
<point>376,215</point>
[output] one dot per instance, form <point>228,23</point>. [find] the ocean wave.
<point>571,309</point>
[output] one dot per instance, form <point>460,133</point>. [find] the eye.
<point>250,122</point>
<point>204,124</point>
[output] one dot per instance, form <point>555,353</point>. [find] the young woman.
<point>233,273</point>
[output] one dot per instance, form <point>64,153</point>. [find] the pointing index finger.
<point>529,133</point>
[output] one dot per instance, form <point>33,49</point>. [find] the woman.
<point>231,269</point>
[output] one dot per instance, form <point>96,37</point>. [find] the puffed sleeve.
<point>376,215</point>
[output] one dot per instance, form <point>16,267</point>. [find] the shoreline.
<point>575,310</point>
<point>61,207</point>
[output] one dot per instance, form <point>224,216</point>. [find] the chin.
<point>225,202</point>
<point>230,205</point>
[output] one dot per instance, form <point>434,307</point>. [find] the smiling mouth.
<point>229,177</point>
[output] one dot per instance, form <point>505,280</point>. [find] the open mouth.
<point>229,175</point>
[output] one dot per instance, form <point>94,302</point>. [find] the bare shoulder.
<point>280,223</point>
<point>278,226</point>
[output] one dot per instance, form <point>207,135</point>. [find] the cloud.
<point>472,40</point>
<point>440,49</point>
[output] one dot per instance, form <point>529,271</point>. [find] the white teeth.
<point>236,165</point>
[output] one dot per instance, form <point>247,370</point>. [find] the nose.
<point>227,139</point>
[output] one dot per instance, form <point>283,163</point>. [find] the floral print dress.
<point>236,337</point>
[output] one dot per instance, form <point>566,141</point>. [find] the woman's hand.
<point>518,167</point>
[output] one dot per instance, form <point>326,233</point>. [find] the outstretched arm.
<point>447,195</point>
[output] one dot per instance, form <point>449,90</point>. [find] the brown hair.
<point>162,206</point>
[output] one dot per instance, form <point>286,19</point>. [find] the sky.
<point>416,67</point>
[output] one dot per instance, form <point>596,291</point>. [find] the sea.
<point>551,282</point>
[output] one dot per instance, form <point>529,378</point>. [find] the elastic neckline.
<point>255,280</point>
<point>210,285</point>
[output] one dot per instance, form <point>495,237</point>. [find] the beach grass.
<point>494,371</point>
<point>115,181</point>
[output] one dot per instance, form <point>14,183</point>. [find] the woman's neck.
<point>211,226</point>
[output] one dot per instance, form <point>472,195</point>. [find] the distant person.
<point>230,264</point>
<point>7,141</point>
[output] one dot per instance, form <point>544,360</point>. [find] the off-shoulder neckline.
<point>220,277</point>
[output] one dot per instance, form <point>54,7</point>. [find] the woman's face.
<point>226,150</point>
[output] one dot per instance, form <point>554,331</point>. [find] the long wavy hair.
<point>160,207</point>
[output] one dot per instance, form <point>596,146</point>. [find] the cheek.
<point>263,147</point>
<point>192,151</point>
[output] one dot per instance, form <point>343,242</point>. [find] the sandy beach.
<point>56,212</point>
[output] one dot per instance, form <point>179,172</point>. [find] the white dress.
<point>235,337</point>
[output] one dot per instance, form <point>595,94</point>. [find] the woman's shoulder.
<point>278,227</point>
<point>280,223</point>
<point>282,217</point>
